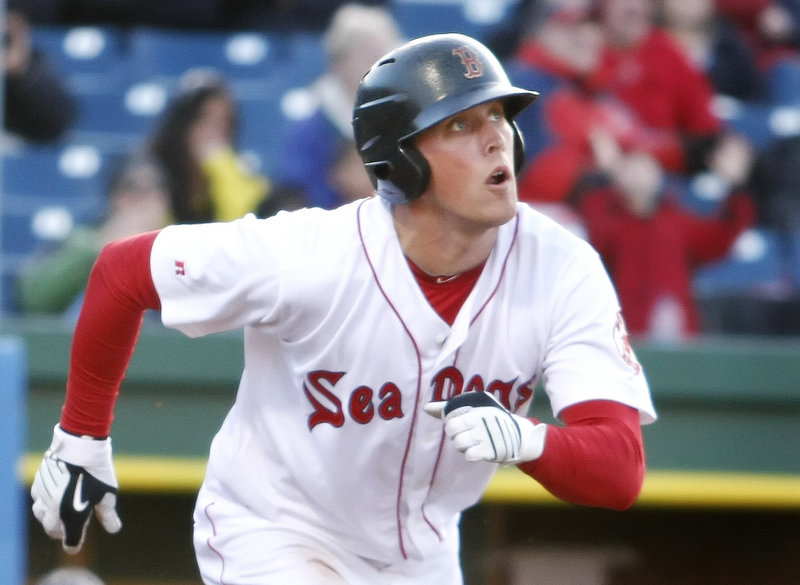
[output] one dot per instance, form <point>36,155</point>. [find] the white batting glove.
<point>484,430</point>
<point>75,478</point>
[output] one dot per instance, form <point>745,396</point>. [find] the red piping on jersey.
<point>418,392</point>
<point>207,512</point>
<point>430,485</point>
<point>502,272</point>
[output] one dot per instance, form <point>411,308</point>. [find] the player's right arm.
<point>77,476</point>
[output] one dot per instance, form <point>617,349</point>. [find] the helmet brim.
<point>514,100</point>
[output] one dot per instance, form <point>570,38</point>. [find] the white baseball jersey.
<point>327,437</point>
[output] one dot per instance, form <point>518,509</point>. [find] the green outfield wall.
<point>729,411</point>
<point>721,496</point>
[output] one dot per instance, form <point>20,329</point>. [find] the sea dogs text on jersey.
<point>364,403</point>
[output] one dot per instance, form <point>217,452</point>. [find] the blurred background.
<point>667,134</point>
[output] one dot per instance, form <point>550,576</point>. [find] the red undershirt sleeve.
<point>119,290</point>
<point>597,459</point>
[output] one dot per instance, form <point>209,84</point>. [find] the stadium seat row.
<point>124,78</point>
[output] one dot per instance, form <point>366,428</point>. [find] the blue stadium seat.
<point>762,124</point>
<point>238,55</point>
<point>7,280</point>
<point>794,259</point>
<point>260,130</point>
<point>90,58</point>
<point>94,62</point>
<point>783,81</point>
<point>70,173</point>
<point>477,18</point>
<point>118,120</point>
<point>262,106</point>
<point>758,122</point>
<point>703,194</point>
<point>18,235</point>
<point>46,191</point>
<point>755,261</point>
<point>304,56</point>
<point>254,64</point>
<point>259,69</point>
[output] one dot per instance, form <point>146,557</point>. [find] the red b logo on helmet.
<point>470,61</point>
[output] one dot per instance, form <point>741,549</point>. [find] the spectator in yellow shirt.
<point>195,142</point>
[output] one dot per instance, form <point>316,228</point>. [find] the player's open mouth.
<point>499,176</point>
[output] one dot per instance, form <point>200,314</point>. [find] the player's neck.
<point>440,251</point>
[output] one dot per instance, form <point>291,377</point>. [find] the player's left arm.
<point>595,459</point>
<point>596,388</point>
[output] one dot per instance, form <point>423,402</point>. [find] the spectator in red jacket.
<point>651,244</point>
<point>559,54</point>
<point>645,68</point>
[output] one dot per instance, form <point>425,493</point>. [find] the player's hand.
<point>76,477</point>
<point>484,430</point>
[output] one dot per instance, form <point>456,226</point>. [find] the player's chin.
<point>497,216</point>
<point>502,205</point>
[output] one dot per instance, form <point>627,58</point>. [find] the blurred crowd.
<point>666,134</point>
<point>649,138</point>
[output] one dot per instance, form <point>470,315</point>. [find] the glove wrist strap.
<point>534,436</point>
<point>85,452</point>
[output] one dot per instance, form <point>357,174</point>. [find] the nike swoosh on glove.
<point>484,430</point>
<point>76,477</point>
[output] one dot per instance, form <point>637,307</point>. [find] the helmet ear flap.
<point>404,177</point>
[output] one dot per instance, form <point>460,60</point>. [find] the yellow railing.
<point>688,489</point>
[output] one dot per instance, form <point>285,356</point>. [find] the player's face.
<point>471,156</point>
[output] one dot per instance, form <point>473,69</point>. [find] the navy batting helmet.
<point>413,88</point>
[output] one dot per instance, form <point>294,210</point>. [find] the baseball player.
<point>392,349</point>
